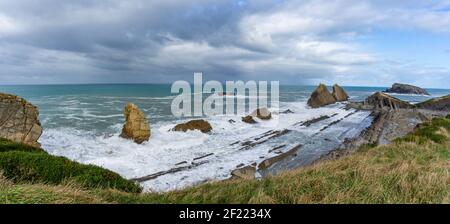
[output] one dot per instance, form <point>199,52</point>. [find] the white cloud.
<point>299,41</point>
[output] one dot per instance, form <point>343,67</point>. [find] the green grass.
<point>25,164</point>
<point>413,169</point>
<point>7,145</point>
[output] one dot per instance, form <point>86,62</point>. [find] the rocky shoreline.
<point>392,118</point>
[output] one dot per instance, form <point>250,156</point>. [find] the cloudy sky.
<point>351,42</point>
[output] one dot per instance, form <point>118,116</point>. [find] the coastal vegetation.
<point>412,169</point>
<point>26,164</point>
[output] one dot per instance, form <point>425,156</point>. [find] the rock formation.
<point>249,120</point>
<point>262,113</point>
<point>247,173</point>
<point>136,126</point>
<point>321,97</point>
<point>19,120</point>
<point>339,93</point>
<point>381,100</point>
<point>439,103</point>
<point>406,89</point>
<point>200,125</point>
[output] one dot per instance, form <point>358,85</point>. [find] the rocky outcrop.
<point>247,173</point>
<point>406,89</point>
<point>439,103</point>
<point>386,126</point>
<point>19,120</point>
<point>381,100</point>
<point>321,97</point>
<point>200,125</point>
<point>262,113</point>
<point>249,120</point>
<point>136,126</point>
<point>339,93</point>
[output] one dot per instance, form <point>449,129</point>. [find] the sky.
<point>350,42</point>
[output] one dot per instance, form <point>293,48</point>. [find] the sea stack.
<point>406,89</point>
<point>321,97</point>
<point>339,93</point>
<point>19,120</point>
<point>136,126</point>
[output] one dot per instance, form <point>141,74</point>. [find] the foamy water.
<point>167,148</point>
<point>83,123</point>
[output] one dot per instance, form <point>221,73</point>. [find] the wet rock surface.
<point>321,97</point>
<point>200,125</point>
<point>249,120</point>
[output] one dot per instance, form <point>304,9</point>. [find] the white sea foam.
<point>167,148</point>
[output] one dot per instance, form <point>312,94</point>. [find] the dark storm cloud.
<point>53,41</point>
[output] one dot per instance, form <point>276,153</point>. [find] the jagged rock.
<point>248,119</point>
<point>439,103</point>
<point>406,89</point>
<point>136,126</point>
<point>19,120</point>
<point>200,125</point>
<point>321,97</point>
<point>339,93</point>
<point>262,113</point>
<point>381,100</point>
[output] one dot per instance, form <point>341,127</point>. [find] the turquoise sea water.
<point>96,107</point>
<point>83,122</point>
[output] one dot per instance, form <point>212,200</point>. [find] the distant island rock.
<point>406,89</point>
<point>136,126</point>
<point>19,120</point>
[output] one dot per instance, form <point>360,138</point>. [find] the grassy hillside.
<point>25,164</point>
<point>413,169</point>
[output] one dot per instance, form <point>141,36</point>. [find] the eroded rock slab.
<point>406,89</point>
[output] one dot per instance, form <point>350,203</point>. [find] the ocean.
<point>83,123</point>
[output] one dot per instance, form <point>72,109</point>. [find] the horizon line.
<point>73,84</point>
